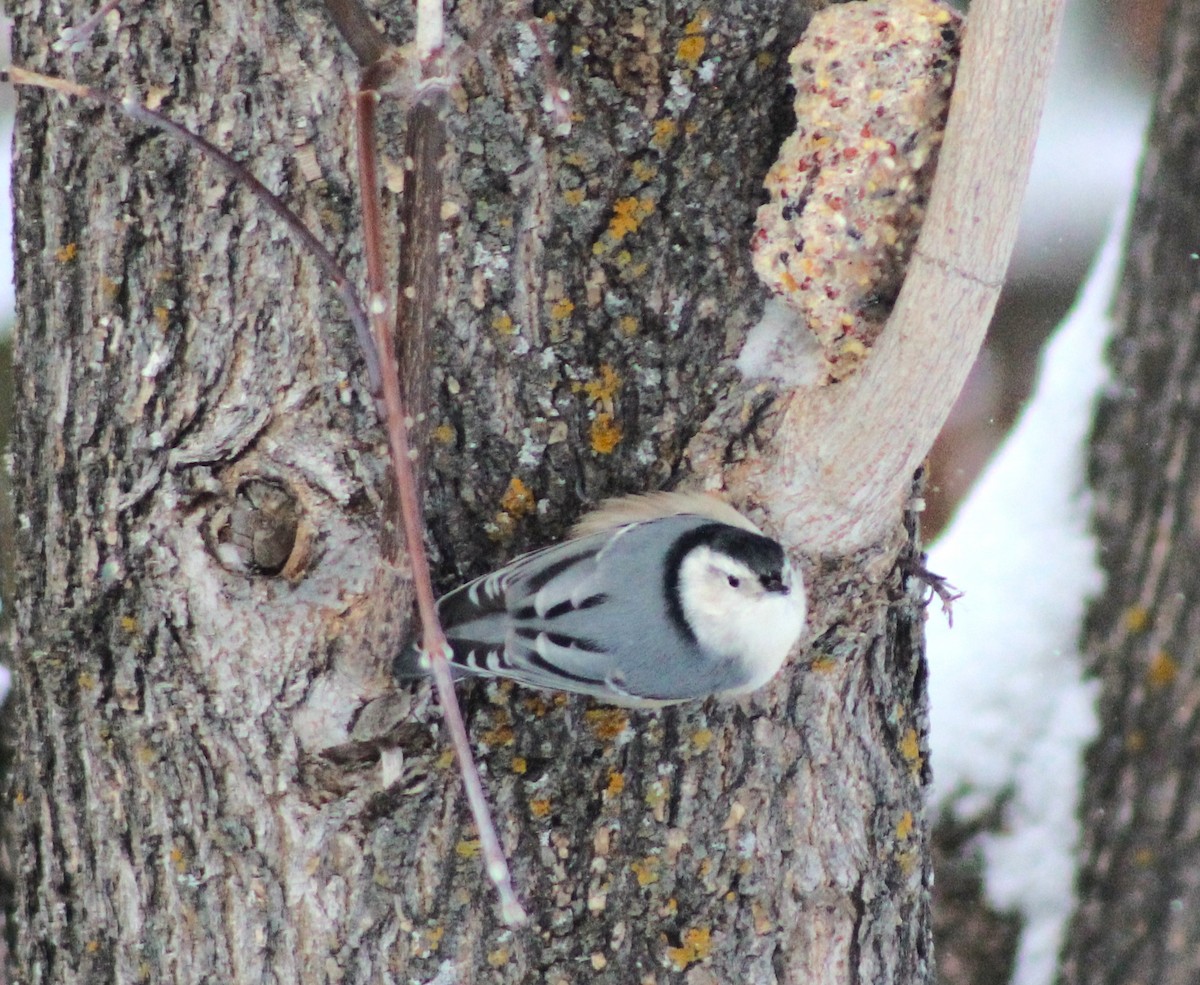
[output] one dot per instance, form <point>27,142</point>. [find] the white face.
<point>734,615</point>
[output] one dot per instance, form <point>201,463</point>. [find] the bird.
<point>654,599</point>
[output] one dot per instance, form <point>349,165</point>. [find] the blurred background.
<point>1091,137</point>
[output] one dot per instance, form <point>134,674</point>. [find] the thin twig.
<point>398,425</point>
<point>329,265</point>
<point>939,585</point>
<point>358,30</point>
<point>416,293</point>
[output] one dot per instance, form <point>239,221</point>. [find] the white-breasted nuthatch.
<point>655,599</point>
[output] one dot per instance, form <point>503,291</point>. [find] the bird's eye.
<point>734,581</point>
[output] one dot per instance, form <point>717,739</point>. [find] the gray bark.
<point>216,778</point>
<point>1139,885</point>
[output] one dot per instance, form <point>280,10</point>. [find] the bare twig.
<point>418,283</point>
<point>402,455</point>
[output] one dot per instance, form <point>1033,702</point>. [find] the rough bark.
<point>1140,882</point>
<point>217,780</point>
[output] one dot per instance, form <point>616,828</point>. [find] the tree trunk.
<point>217,780</point>
<point>1140,882</point>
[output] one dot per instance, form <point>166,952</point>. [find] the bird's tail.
<point>409,664</point>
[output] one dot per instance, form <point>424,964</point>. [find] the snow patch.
<point>1011,709</point>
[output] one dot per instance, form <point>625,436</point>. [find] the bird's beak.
<point>775,583</point>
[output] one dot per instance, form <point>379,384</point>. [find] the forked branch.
<point>372,325</point>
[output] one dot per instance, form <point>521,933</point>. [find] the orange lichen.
<point>1137,618</point>
<point>429,938</point>
<point>498,737</point>
<point>904,826</point>
<point>605,386</point>
<point>644,172</point>
<point>606,724</point>
<point>697,945</point>
<point>606,434</point>
<point>690,50</point>
<point>702,739</point>
<point>519,765</point>
<point>178,859</point>
<point>535,704</point>
<point>910,749</point>
<point>616,784</point>
<point>468,848</point>
<point>1162,670</point>
<point>626,217</point>
<point>65,254</point>
<point>540,807</point>
<point>646,870</point>
<point>562,309</point>
<point>444,434</point>
<point>664,133</point>
<point>504,324</point>
<point>517,500</point>
<point>823,664</point>
<point>574,196</point>
<point>629,325</point>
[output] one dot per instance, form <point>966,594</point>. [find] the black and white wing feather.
<point>598,614</point>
